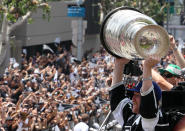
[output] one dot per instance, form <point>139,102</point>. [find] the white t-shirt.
<point>81,127</point>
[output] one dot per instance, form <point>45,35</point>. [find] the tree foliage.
<point>12,14</point>
<point>16,9</point>
<point>152,8</point>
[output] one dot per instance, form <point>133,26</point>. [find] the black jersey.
<point>121,107</point>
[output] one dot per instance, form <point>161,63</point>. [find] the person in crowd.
<point>167,83</point>
<point>171,73</point>
<point>179,57</point>
<point>138,109</point>
<point>82,126</point>
<point>180,126</point>
<point>168,77</point>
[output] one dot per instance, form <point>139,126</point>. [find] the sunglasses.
<point>168,75</point>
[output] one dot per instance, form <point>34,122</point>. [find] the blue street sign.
<point>76,11</point>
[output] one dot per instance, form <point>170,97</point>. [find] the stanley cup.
<point>126,32</point>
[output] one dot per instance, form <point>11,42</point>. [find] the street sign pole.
<point>77,11</point>
<point>79,39</point>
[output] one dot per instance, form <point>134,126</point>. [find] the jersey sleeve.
<point>116,95</point>
<point>149,110</point>
<point>149,105</point>
<point>121,106</point>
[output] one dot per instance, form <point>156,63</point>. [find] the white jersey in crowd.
<point>81,127</point>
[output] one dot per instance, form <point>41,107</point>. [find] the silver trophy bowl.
<point>126,32</point>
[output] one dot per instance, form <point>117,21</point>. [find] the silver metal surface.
<point>133,35</point>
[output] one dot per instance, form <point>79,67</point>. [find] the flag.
<point>46,47</point>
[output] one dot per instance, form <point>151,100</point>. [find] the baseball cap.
<point>171,68</point>
<point>157,89</point>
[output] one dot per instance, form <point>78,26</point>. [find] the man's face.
<point>9,122</point>
<point>136,102</point>
<point>170,78</point>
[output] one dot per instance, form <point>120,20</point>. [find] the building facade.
<point>43,31</point>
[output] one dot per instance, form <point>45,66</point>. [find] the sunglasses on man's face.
<point>168,75</point>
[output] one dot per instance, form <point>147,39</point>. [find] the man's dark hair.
<point>30,71</point>
<point>85,117</point>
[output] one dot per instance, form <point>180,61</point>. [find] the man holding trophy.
<point>127,34</point>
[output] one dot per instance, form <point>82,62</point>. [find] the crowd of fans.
<point>54,91</point>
